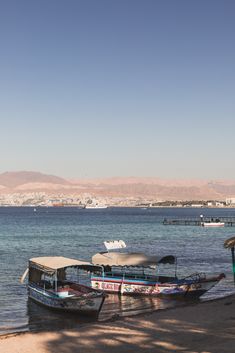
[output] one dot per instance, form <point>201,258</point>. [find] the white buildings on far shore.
<point>46,199</point>
<point>230,201</point>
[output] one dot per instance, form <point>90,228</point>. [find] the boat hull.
<point>180,288</point>
<point>213,224</point>
<point>95,207</point>
<point>87,305</point>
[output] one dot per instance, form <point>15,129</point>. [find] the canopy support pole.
<point>233,263</point>
<point>230,244</point>
<point>122,284</point>
<point>56,281</point>
<point>44,283</point>
<point>175,267</point>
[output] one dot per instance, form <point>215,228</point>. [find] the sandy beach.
<point>207,327</point>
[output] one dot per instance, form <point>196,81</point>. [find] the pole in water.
<point>230,244</point>
<point>201,218</point>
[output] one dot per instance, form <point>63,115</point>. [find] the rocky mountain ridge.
<point>136,187</point>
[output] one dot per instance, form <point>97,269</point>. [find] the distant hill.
<point>161,189</point>
<point>132,187</point>
<point>14,179</point>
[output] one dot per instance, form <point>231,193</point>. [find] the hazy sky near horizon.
<point>100,88</point>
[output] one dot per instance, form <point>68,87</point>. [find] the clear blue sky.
<point>98,88</point>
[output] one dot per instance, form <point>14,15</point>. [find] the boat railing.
<point>65,289</point>
<point>194,277</point>
<point>154,278</point>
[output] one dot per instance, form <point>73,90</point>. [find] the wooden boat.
<point>137,273</point>
<point>49,284</point>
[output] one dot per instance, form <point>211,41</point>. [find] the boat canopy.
<point>54,263</point>
<point>130,259</point>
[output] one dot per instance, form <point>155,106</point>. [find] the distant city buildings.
<point>230,201</point>
<point>58,200</point>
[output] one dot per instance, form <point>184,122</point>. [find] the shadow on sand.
<point>203,328</point>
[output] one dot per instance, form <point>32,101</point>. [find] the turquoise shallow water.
<point>78,233</point>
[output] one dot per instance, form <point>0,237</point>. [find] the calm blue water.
<point>79,233</point>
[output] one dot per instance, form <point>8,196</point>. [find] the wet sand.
<point>207,327</point>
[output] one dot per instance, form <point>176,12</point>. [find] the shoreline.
<point>201,327</point>
<point>117,317</point>
<point>123,206</point>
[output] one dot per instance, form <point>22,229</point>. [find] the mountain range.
<point>136,187</point>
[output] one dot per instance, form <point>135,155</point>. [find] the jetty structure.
<point>201,221</point>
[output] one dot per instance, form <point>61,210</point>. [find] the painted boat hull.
<point>91,304</point>
<point>179,288</point>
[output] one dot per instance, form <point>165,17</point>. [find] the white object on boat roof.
<point>114,244</point>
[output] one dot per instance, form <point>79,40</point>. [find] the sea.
<point>27,232</point>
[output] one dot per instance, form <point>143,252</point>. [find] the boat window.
<point>35,275</point>
<point>77,275</point>
<point>134,272</point>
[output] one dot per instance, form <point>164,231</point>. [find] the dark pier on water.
<point>228,221</point>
